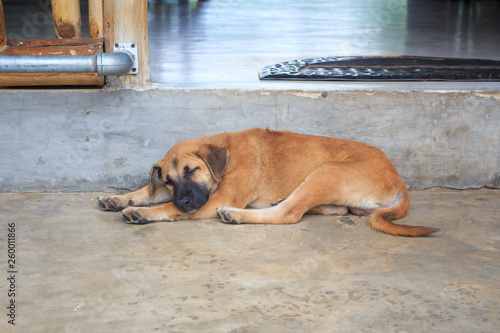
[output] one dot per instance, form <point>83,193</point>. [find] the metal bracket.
<point>131,50</point>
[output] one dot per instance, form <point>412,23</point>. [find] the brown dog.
<point>264,176</point>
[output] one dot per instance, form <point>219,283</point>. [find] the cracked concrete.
<point>83,270</point>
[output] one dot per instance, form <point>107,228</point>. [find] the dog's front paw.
<point>114,204</point>
<point>228,215</point>
<point>133,215</point>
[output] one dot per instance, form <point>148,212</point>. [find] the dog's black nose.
<point>185,204</point>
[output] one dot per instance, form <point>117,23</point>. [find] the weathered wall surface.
<point>106,141</point>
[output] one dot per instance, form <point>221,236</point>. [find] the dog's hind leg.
<point>321,187</point>
<point>322,209</point>
<point>141,197</point>
<point>328,210</point>
<point>332,183</point>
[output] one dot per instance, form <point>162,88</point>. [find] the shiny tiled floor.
<point>224,43</point>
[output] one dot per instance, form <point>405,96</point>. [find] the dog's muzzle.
<point>189,196</point>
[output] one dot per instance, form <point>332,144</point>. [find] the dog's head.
<point>191,173</point>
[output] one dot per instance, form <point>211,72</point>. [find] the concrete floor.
<point>80,269</point>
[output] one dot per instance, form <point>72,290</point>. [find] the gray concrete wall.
<point>64,140</point>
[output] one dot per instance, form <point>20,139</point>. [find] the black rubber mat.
<point>387,68</point>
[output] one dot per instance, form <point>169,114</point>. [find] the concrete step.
<point>91,140</point>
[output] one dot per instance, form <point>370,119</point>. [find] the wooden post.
<point>127,22</point>
<point>96,27</point>
<point>67,20</point>
<point>3,34</point>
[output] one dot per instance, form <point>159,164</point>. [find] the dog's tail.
<point>380,219</point>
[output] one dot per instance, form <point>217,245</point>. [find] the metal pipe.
<point>104,64</point>
<point>47,64</point>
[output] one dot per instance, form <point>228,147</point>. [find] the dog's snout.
<point>189,196</point>
<point>185,204</point>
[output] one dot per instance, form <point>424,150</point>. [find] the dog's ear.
<point>216,159</point>
<point>154,170</point>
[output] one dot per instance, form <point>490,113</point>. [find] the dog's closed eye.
<point>189,173</point>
